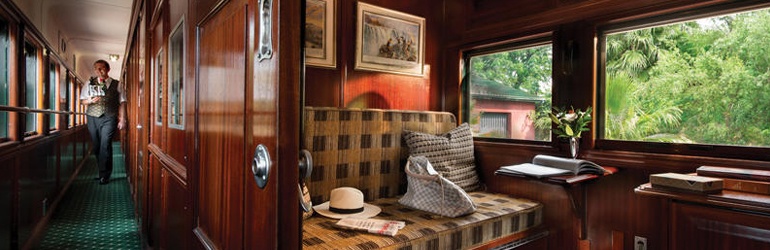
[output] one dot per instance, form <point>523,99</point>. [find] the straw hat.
<point>347,202</point>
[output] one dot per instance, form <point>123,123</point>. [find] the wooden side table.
<point>575,187</point>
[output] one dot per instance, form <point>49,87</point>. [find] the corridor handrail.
<point>31,110</point>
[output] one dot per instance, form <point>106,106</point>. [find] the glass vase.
<point>574,143</point>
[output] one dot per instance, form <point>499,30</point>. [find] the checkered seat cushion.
<point>497,216</point>
<point>363,148</point>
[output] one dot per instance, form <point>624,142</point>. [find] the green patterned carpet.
<point>93,216</point>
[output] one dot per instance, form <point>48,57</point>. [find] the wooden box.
<point>685,182</point>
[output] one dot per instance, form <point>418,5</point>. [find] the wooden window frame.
<point>513,44</point>
<point>701,150</point>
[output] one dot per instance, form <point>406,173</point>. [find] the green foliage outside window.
<point>30,54</point>
<point>524,70</point>
<point>4,88</point>
<point>705,81</point>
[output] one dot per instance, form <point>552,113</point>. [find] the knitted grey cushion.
<point>451,154</point>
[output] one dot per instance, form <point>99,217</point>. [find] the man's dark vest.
<point>108,104</point>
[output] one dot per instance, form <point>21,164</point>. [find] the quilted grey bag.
<point>428,191</point>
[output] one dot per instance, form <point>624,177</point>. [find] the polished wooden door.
<point>243,102</point>
<point>224,127</point>
<point>222,123</point>
<point>275,105</point>
<point>155,126</point>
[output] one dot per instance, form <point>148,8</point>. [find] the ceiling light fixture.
<point>114,57</point>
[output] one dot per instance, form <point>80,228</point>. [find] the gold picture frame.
<point>320,33</point>
<point>389,41</point>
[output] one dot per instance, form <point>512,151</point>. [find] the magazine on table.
<point>547,166</point>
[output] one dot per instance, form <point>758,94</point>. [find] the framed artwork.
<point>320,33</point>
<point>389,41</point>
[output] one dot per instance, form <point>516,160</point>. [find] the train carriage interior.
<point>376,124</point>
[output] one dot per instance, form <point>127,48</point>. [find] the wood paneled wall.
<point>34,170</point>
<point>33,176</point>
<point>615,214</point>
<point>345,87</point>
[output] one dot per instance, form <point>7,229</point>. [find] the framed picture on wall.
<point>320,33</point>
<point>389,41</point>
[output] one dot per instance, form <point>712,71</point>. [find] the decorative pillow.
<point>451,154</point>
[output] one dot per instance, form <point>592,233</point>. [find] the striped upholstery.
<point>363,148</point>
<point>497,216</point>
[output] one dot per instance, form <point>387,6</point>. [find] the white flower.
<point>570,117</point>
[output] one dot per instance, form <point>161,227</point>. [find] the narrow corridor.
<point>93,216</point>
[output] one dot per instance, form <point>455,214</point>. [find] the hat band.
<point>346,211</point>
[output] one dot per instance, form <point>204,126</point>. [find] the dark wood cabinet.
<point>701,226</point>
<point>728,220</point>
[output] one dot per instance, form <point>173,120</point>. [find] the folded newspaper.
<point>385,227</point>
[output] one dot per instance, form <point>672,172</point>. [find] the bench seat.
<point>364,149</point>
<point>497,216</point>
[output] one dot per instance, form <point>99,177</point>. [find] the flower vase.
<point>574,143</point>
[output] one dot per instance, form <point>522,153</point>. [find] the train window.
<point>65,97</point>
<point>159,88</point>
<point>176,78</point>
<point>4,69</point>
<point>30,87</point>
<point>71,100</point>
<point>79,119</point>
<point>696,85</point>
<point>52,93</point>
<point>509,91</point>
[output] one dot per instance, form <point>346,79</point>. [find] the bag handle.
<point>419,176</point>
<point>436,178</point>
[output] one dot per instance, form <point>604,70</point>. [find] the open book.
<point>546,165</point>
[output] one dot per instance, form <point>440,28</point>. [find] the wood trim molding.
<point>32,110</point>
<point>15,147</point>
<point>211,11</point>
<point>203,239</point>
<point>596,10</point>
<point>665,162</point>
<point>178,170</point>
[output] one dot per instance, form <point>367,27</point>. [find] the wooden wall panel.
<point>67,162</point>
<point>37,184</point>
<point>34,175</point>
<point>613,206</point>
<point>153,217</point>
<point>346,87</point>
<point>221,95</point>
<point>558,216</point>
<point>324,87</point>
<point>82,146</point>
<point>177,219</point>
<point>7,200</point>
<point>139,86</point>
